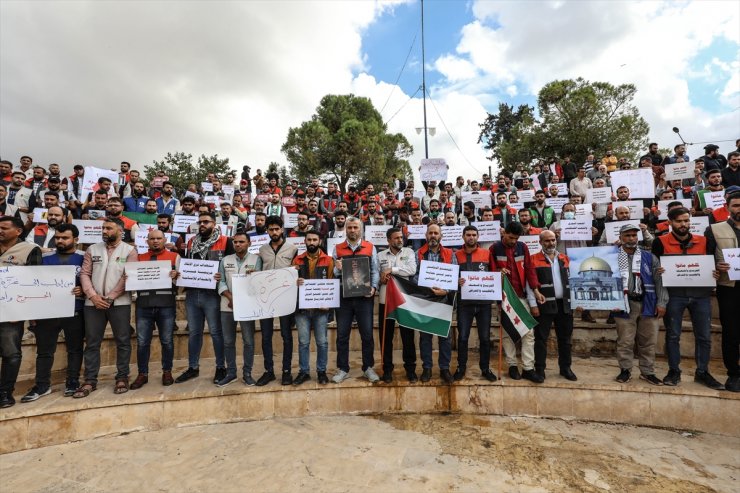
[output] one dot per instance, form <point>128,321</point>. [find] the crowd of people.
<point>257,223</point>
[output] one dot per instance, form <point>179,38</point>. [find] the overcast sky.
<point>96,83</point>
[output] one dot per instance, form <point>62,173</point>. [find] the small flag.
<point>417,307</point>
<point>141,217</point>
<point>515,318</point>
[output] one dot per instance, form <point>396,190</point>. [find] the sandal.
<point>121,386</point>
<point>84,390</point>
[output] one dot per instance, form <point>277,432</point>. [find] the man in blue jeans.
<point>156,306</point>
<point>679,241</point>
<point>312,264</point>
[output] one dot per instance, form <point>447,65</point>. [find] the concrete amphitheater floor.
<point>408,453</point>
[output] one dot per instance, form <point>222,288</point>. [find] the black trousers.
<point>563,330</point>
<point>729,315</point>
<point>407,342</point>
<point>47,333</point>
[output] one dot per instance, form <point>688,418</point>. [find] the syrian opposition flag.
<point>515,318</point>
<point>417,307</point>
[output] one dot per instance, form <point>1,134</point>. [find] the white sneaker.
<point>340,376</point>
<point>371,375</point>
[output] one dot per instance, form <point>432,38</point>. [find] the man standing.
<point>471,257</point>
<point>277,254</point>
<point>13,251</point>
<point>136,202</point>
<point>731,174</point>
<point>44,235</point>
<point>312,264</point>
<point>433,251</point>
<point>400,261</point>
<point>107,302</point>
<point>553,306</point>
<point>503,212</point>
<point>697,299</point>
<point>203,304</point>
<point>156,306</point>
<point>646,300</point>
<point>240,263</point>
<point>167,203</point>
<point>580,184</point>
<point>359,308</point>
<point>542,215</point>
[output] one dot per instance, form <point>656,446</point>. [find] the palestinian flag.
<point>141,217</point>
<point>417,307</point>
<point>515,318</point>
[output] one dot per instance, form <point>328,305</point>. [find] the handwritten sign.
<point>228,190</point>
<point>488,230</point>
<point>484,286</point>
<point>452,235</point>
<point>206,186</point>
<point>584,211</point>
<point>532,242</point>
<point>265,294</point>
<point>679,171</point>
<point>36,292</point>
<point>639,181</point>
<point>562,189</point>
<point>480,199</point>
<point>635,206</point>
<point>298,241</point>
<point>148,275</point>
<point>91,177</point>
<point>376,235</point>
<point>601,195</point>
<point>433,170</point>
<point>556,203</point>
<point>318,293</point>
<point>257,241</point>
<point>438,275</point>
<point>91,231</point>
<point>575,229</point>
<point>712,200</point>
<point>291,220</point>
<point>140,241</point>
<point>525,195</point>
<point>213,199</point>
<point>182,223</point>
<point>197,273</point>
<point>663,207</point>
<point>416,231</point>
<point>732,257</point>
<point>688,270</point>
<point>612,230</point>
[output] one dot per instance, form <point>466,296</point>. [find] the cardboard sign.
<point>584,211</point>
<point>433,170</point>
<point>601,195</point>
<point>575,229</point>
<point>532,242</point>
<point>416,231</point>
<point>452,235</point>
<point>484,286</point>
<point>148,275</point>
<point>639,181</point>
<point>318,293</point>
<point>688,270</point>
<point>91,231</point>
<point>197,273</point>
<point>636,208</point>
<point>257,241</point>
<point>488,230</point>
<point>376,235</point>
<point>663,207</point>
<point>181,223</point>
<point>439,275</point>
<point>37,292</point>
<point>679,171</point>
<point>206,186</point>
<point>298,241</point>
<point>265,294</point>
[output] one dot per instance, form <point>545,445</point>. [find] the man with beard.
<point>37,182</point>
<point>97,209</point>
<point>6,209</point>
<point>166,202</point>
<point>277,254</point>
<point>53,185</point>
<point>503,212</point>
<point>713,179</point>
<point>6,172</point>
<point>202,304</point>
<point>136,202</point>
<point>315,219</point>
<point>107,302</point>
<point>164,224</point>
<point>720,237</point>
<point>260,227</point>
<point>646,304</point>
<point>302,228</point>
<point>330,200</point>
<point>44,235</point>
<point>525,219</point>
<point>542,215</point>
<point>312,264</point>
<point>115,210</point>
<point>340,218</point>
<point>696,298</point>
<point>275,207</point>
<point>13,251</point>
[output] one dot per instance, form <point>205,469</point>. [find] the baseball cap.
<point>628,227</point>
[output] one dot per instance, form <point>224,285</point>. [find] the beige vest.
<point>17,254</point>
<point>725,236</point>
<point>231,268</point>
<point>107,271</point>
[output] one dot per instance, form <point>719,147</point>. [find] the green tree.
<point>501,133</point>
<point>183,171</point>
<point>347,141</point>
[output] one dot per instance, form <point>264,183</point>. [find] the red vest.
<point>39,235</point>
<point>445,253</point>
<point>671,246</point>
<point>365,250</point>
<point>480,260</point>
<point>217,249</point>
<point>164,255</point>
<point>323,269</point>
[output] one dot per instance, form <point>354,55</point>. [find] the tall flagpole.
<point>424,84</point>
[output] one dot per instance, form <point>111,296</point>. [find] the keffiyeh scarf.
<point>200,247</point>
<point>625,268</point>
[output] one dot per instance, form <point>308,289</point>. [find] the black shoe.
<point>568,374</point>
<point>6,399</point>
<point>35,393</point>
<point>532,376</point>
<point>673,378</point>
<point>266,378</point>
<point>70,387</point>
<point>426,375</point>
<point>624,376</point>
<point>248,381</point>
<point>226,380</point>
<point>220,375</point>
<point>733,384</point>
<point>651,379</point>
<point>708,380</point>
<point>287,378</point>
<point>610,319</point>
<point>459,374</point>
<point>323,379</point>
<point>488,375</point>
<point>187,375</point>
<point>387,376</point>
<point>411,375</point>
<point>300,378</point>
<point>514,373</point>
<point>446,376</point>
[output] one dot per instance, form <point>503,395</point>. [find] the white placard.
<point>291,220</point>
<point>433,170</point>
<point>635,206</point>
<point>91,177</point>
<point>181,223</point>
<point>376,234</point>
<point>575,229</point>
<point>265,294</point>
<point>484,286</point>
<point>140,241</point>
<point>257,241</point>
<point>36,292</point>
<point>663,207</point>
<point>557,203</point>
<point>562,189</point>
<point>732,257</point>
<point>39,215</point>
<point>679,171</point>
<point>532,242</point>
<point>439,275</point>
<point>525,195</point>
<point>612,230</point>
<point>196,196</point>
<point>197,273</point>
<point>688,270</point>
<point>452,235</point>
<point>488,230</point>
<point>697,226</point>
<point>601,195</point>
<point>213,199</point>
<point>584,211</point>
<point>714,200</point>
<point>91,231</point>
<point>148,275</point>
<point>639,181</point>
<point>319,293</point>
<point>228,190</point>
<point>416,231</point>
<point>206,186</point>
<point>516,205</point>
<point>298,241</point>
<point>480,199</point>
